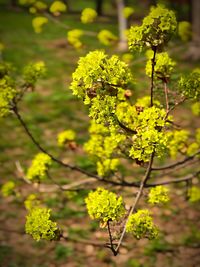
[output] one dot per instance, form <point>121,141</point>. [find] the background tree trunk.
<point>99,7</point>
<point>194,50</point>
<point>67,3</point>
<point>122,25</point>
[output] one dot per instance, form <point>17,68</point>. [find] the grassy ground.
<point>50,109</point>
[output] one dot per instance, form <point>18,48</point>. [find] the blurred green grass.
<point>52,106</point>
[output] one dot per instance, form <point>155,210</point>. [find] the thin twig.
<point>173,165</point>
<point>67,187</point>
<point>66,165</point>
<point>21,172</point>
<point>136,200</point>
<point>175,181</point>
<point>6,230</point>
<point>86,242</point>
<point>111,239</point>
<point>76,168</point>
<point>64,26</point>
<point>183,99</point>
<point>153,63</point>
<point>71,239</point>
<point>166,97</point>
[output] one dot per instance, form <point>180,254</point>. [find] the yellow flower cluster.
<point>177,142</point>
<point>38,23</point>
<point>8,189</point>
<point>195,145</point>
<point>128,11</point>
<point>196,108</point>
<point>64,137</point>
<point>156,29</point>
<point>33,71</point>
<point>106,37</point>
<point>88,15</point>
<point>7,94</point>
<point>194,194</point>
<point>37,170</point>
<point>73,37</point>
<point>40,226</point>
<point>158,194</point>
<point>103,147</point>
<point>31,202</point>
<point>127,58</point>
<point>38,6</point>
<point>163,68</point>
<point>185,30</point>
<point>104,205</point>
<point>141,225</point>
<point>57,7</point>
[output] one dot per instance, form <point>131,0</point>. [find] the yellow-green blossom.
<point>196,108</point>
<point>147,123</point>
<point>73,37</point>
<point>32,10</point>
<point>107,166</point>
<point>106,37</point>
<point>185,30</point>
<point>189,85</point>
<point>38,169</point>
<point>95,70</point>
<point>34,71</point>
<point>141,225</point>
<point>2,47</point>
<point>197,136</point>
<point>103,147</point>
<point>40,226</point>
<point>7,94</point>
<point>31,202</point>
<point>177,142</point>
<point>163,68</point>
<point>158,194</point>
<point>127,58</point>
<point>8,189</point>
<point>156,29</point>
<point>38,23</point>
<point>194,194</point>
<point>65,136</point>
<point>88,15</point>
<point>57,7</point>
<point>40,6</point>
<point>128,11</point>
<point>104,205</point>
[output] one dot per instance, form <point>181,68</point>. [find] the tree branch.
<point>37,144</point>
<point>136,200</point>
<point>173,165</point>
<point>86,242</point>
<point>66,165</point>
<point>111,239</point>
<point>175,181</point>
<point>166,97</point>
<point>64,26</point>
<point>152,74</point>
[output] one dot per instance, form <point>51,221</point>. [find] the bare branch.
<point>175,181</point>
<point>63,25</point>
<point>173,165</point>
<point>153,63</point>
<point>136,200</point>
<point>166,97</point>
